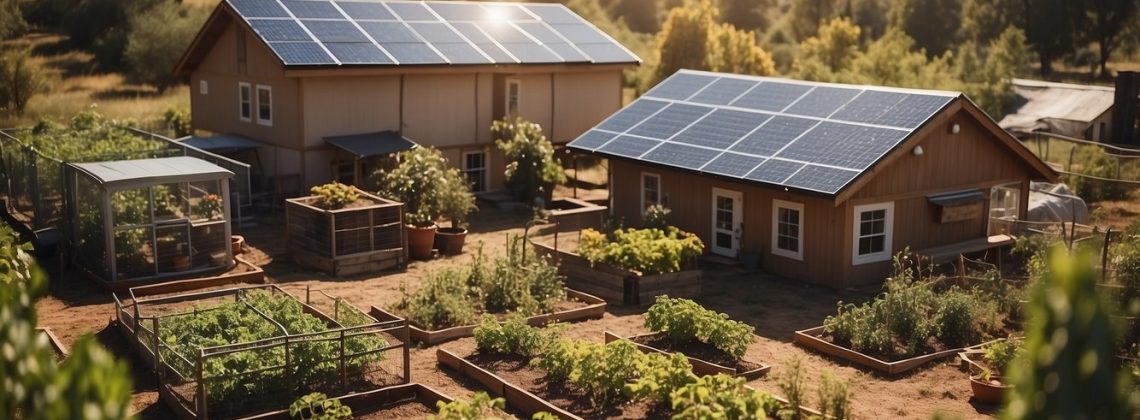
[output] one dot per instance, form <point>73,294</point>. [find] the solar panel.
<point>436,32</point>
<point>680,155</point>
<point>301,53</point>
<point>504,32</point>
<point>670,121</point>
<point>335,31</point>
<point>628,146</point>
<point>540,31</point>
<point>723,91</point>
<point>357,53</point>
<point>845,145</point>
<point>580,33</point>
<point>821,178</point>
<point>631,115</point>
<point>607,53</point>
<point>912,111</point>
<point>868,106</point>
<point>413,53</point>
<point>364,10</point>
<point>553,14</point>
<point>733,165</point>
<point>389,32</point>
<point>680,86</point>
<point>532,53</point>
<point>771,96</point>
<point>259,8</point>
<point>593,139</point>
<point>313,9</point>
<point>506,12</point>
<point>822,101</point>
<point>567,52</point>
<point>279,30</point>
<point>461,53</point>
<point>409,11</point>
<point>774,135</point>
<point>721,128</point>
<point>774,171</point>
<point>456,11</point>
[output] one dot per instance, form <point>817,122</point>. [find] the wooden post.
<point>154,342</point>
<point>961,269</point>
<point>332,234</point>
<point>288,369</point>
<point>308,301</point>
<point>202,407</point>
<point>1104,256</point>
<point>407,352</point>
<point>343,371</point>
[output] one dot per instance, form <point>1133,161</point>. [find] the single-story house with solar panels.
<point>824,181</point>
<point>325,86</point>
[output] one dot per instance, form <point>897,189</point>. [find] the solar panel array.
<point>321,32</point>
<point>810,136</point>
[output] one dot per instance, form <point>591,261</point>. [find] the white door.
<point>727,213</point>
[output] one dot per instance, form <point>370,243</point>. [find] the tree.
<point>1050,26</point>
<point>20,79</point>
<point>732,50</point>
<point>683,40</point>
<point>746,14</point>
<point>871,16</point>
<point>157,39</point>
<point>640,15</point>
<point>806,16</point>
<point>1104,24</point>
<point>829,53</point>
<point>984,20</point>
<point>933,24</point>
<point>893,60</point>
<point>11,20</point>
<point>988,83</point>
<point>531,156</point>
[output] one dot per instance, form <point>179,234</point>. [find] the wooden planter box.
<point>518,399</point>
<point>621,286</point>
<point>572,215</point>
<point>354,240</point>
<point>810,338</point>
<point>968,356</point>
<point>700,367</point>
<point>58,349</point>
<point>383,397</point>
<point>595,308</point>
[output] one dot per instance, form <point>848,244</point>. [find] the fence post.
<point>407,355</point>
<point>203,408</point>
<point>154,342</point>
<point>343,372</point>
<point>308,301</point>
<point>961,270</point>
<point>288,369</point>
<point>1104,256</point>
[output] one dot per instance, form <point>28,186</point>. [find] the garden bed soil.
<point>705,358</point>
<point>814,338</point>
<point>577,306</point>
<point>407,401</point>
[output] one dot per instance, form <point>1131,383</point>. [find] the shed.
<point>825,181</point>
<point>1071,110</point>
<point>135,221</point>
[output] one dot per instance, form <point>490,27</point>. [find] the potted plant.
<point>456,202</point>
<point>181,261</point>
<point>418,180</point>
<point>209,206</point>
<point>532,168</point>
<point>987,386</point>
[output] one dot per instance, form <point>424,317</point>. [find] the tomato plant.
<point>683,319</point>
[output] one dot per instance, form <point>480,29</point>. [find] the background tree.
<point>933,24</point>
<point>824,56</point>
<point>530,156</point>
<point>984,20</point>
<point>21,78</point>
<point>1050,26</point>
<point>805,16</point>
<point>12,21</point>
<point>1104,25</point>
<point>893,60</point>
<point>732,50</point>
<point>639,15</point>
<point>746,14</point>
<point>683,40</point>
<point>157,39</point>
<point>871,16</point>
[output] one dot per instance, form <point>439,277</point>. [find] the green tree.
<point>1050,26</point>
<point>21,78</point>
<point>683,40</point>
<point>746,14</point>
<point>1104,25</point>
<point>640,15</point>
<point>985,20</point>
<point>893,60</point>
<point>12,21</point>
<point>805,16</point>
<point>871,16</point>
<point>530,156</point>
<point>824,56</point>
<point>157,39</point>
<point>933,24</point>
<point>733,50</point>
<point>988,82</point>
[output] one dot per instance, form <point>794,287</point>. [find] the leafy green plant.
<point>456,200</point>
<point>420,180</point>
<point>1095,162</point>
<point>318,406</point>
<point>683,319</point>
<point>480,407</point>
<point>656,217</point>
<point>955,316</point>
<point>530,156</point>
<point>178,121</point>
<point>443,300</point>
<point>334,195</point>
<point>722,396</point>
<point>648,251</point>
<point>791,382</point>
<point>514,336</point>
<point>998,355</point>
<point>659,375</point>
<point>834,397</point>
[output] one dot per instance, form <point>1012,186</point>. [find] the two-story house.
<point>326,86</point>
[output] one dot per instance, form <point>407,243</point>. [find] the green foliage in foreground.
<point>318,406</point>
<point>648,251</point>
<point>683,319</point>
<point>722,396</point>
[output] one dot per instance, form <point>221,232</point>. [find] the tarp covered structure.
<point>1055,203</point>
<point>1059,108</point>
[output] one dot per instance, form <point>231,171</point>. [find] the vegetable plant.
<point>419,180</point>
<point>480,407</point>
<point>456,200</point>
<point>648,251</point>
<point>318,406</point>
<point>683,319</point>
<point>514,336</point>
<point>334,195</point>
<point>722,396</point>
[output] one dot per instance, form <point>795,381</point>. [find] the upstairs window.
<point>514,87</point>
<point>245,102</point>
<point>264,105</point>
<point>650,190</point>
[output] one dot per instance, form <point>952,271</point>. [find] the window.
<point>245,109</point>
<point>514,86</point>
<point>873,224</point>
<point>475,169</point>
<point>787,232</point>
<point>1005,201</point>
<point>264,105</point>
<point>203,87</point>
<point>650,190</point>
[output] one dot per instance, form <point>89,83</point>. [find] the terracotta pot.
<point>181,262</point>
<point>236,242</point>
<point>420,241</point>
<point>988,391</point>
<point>451,240</point>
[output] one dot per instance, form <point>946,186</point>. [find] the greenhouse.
<point>135,221</point>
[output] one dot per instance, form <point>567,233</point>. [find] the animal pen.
<point>362,237</point>
<point>274,349</point>
<point>139,220</point>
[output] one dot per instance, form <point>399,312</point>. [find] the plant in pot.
<point>418,180</point>
<point>531,159</point>
<point>988,386</point>
<point>456,202</point>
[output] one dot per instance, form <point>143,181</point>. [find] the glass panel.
<point>864,246</point>
<point>723,240</point>
<point>264,104</point>
<point>170,202</point>
<point>134,253</point>
<point>206,202</point>
<point>172,249</point>
<point>131,207</point>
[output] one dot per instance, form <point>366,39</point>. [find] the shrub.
<point>656,217</point>
<point>334,195</point>
<point>158,37</point>
<point>514,336</point>
<point>791,382</point>
<point>834,398</point>
<point>648,251</point>
<point>442,301</point>
<point>530,156</point>
<point>318,406</point>
<point>420,181</point>
<point>955,317</point>
<point>659,375</point>
<point>480,407</point>
<point>999,355</point>
<point>457,201</point>
<point>1095,162</point>
<point>20,79</point>
<point>722,396</point>
<point>684,319</point>
<point>528,288</point>
<point>178,121</point>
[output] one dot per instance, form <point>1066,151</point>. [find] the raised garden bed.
<point>243,272</point>
<point>617,285</point>
<point>593,308</point>
<point>518,398</point>
<point>572,215</point>
<point>57,347</point>
<point>365,236</point>
<point>412,400</point>
<point>706,359</point>
<point>812,338</point>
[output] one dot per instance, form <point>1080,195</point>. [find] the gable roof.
<point>344,33</point>
<point>820,138</point>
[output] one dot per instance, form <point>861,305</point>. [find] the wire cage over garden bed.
<point>362,237</point>
<point>147,219</point>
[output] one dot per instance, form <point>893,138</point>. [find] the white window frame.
<point>518,97</point>
<point>264,121</point>
<point>888,232</point>
<point>243,86</point>
<point>797,255</point>
<point>203,87</point>
<point>485,168</point>
<point>645,204</point>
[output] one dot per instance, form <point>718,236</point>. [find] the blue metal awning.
<point>222,143</point>
<point>371,144</point>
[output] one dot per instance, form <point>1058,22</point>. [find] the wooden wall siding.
<point>337,106</point>
<point>582,100</point>
<point>439,110</point>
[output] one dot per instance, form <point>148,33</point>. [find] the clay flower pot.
<point>990,391</point>
<point>236,242</point>
<point>451,240</point>
<point>420,240</point>
<point>181,262</point>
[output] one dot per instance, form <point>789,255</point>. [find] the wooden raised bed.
<point>618,285</point>
<point>57,346</point>
<point>364,237</point>
<point>811,338</point>
<point>595,308</point>
<point>573,215</point>
<point>242,272</point>
<point>364,403</point>
<point>700,367</point>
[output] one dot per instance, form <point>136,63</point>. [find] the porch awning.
<point>222,143</point>
<point>958,197</point>
<point>371,144</point>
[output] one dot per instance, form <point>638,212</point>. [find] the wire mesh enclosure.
<point>363,237</point>
<point>273,349</point>
<point>141,220</point>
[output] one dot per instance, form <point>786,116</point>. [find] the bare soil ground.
<point>776,307</point>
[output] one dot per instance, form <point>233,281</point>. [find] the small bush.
<point>956,316</point>
<point>656,217</point>
<point>334,195</point>
<point>999,355</point>
<point>318,406</point>
<point>480,407</point>
<point>530,156</point>
<point>442,301</point>
<point>791,382</point>
<point>684,319</point>
<point>722,396</point>
<point>834,398</point>
<point>514,336</point>
<point>178,121</point>
<point>659,375</point>
<point>1095,162</point>
<point>648,251</point>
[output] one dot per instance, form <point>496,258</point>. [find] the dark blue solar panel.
<point>301,53</point>
<point>733,165</point>
<point>721,129</point>
<point>680,155</point>
<point>461,53</point>
<point>631,115</point>
<point>913,111</point>
<point>277,30</point>
<point>774,135</point>
<point>357,53</point>
<point>453,11</point>
<point>629,146</point>
<point>820,178</point>
<point>532,53</point>
<point>413,53</point>
<point>771,96</point>
<point>436,32</point>
<point>868,106</point>
<point>593,139</point>
<point>365,10</point>
<point>504,33</point>
<point>822,101</point>
<point>335,31</point>
<point>553,13</point>
<point>313,9</point>
<point>723,91</point>
<point>580,33</point>
<point>389,32</point>
<point>258,8</point>
<point>568,52</point>
<point>774,171</point>
<point>680,86</point>
<point>540,32</point>
<point>412,11</point>
<point>844,145</point>
<point>670,121</point>
<point>607,53</point>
